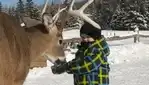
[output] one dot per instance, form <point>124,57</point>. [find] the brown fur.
<point>14,52</point>
<point>19,48</point>
<point>43,42</point>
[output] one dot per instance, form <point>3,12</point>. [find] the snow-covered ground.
<point>128,62</point>
<point>75,33</point>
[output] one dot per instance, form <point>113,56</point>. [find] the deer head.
<point>50,24</point>
<point>47,44</point>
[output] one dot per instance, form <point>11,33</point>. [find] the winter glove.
<point>59,67</point>
<point>58,62</point>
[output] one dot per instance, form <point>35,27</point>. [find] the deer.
<point>46,38</point>
<point>19,46</point>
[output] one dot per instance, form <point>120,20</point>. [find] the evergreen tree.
<point>129,15</point>
<point>20,7</point>
<point>5,8</point>
<point>12,11</point>
<point>146,13</point>
<point>35,13</point>
<point>31,9</point>
<point>0,7</point>
<point>104,10</point>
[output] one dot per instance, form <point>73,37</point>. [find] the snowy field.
<point>75,33</point>
<point>128,62</point>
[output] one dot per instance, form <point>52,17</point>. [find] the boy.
<point>90,66</point>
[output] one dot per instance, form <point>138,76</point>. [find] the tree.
<point>146,9</point>
<point>104,10</point>
<point>12,11</point>
<point>5,8</point>
<point>35,13</point>
<point>20,7</point>
<point>0,7</point>
<point>129,15</point>
<point>31,9</point>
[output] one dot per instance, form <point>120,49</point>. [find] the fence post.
<point>136,36</point>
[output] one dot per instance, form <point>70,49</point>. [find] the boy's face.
<point>87,38</point>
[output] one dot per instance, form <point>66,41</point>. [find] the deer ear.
<point>47,20</point>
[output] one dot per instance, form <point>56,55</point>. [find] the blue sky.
<point>13,2</point>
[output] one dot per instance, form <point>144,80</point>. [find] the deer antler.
<point>80,13</point>
<point>45,7</point>
<point>56,16</point>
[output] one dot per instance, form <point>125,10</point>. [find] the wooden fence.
<point>136,37</point>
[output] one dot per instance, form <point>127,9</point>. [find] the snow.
<point>135,73</point>
<point>71,34</point>
<point>121,53</point>
<point>75,33</point>
<point>128,62</point>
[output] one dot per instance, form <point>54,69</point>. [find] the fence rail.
<point>144,36</point>
<point>69,42</point>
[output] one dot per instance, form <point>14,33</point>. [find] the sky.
<point>13,2</point>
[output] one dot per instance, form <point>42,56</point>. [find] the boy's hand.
<point>59,67</point>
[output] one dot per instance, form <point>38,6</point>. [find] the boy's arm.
<point>89,63</point>
<point>79,66</point>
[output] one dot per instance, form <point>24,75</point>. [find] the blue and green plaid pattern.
<point>93,78</point>
<point>93,68</point>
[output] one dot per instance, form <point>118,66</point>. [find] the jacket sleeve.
<point>88,63</point>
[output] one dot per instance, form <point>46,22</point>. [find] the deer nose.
<point>62,58</point>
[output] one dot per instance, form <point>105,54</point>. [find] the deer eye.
<point>60,42</point>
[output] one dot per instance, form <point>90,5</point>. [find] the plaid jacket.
<point>90,67</point>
